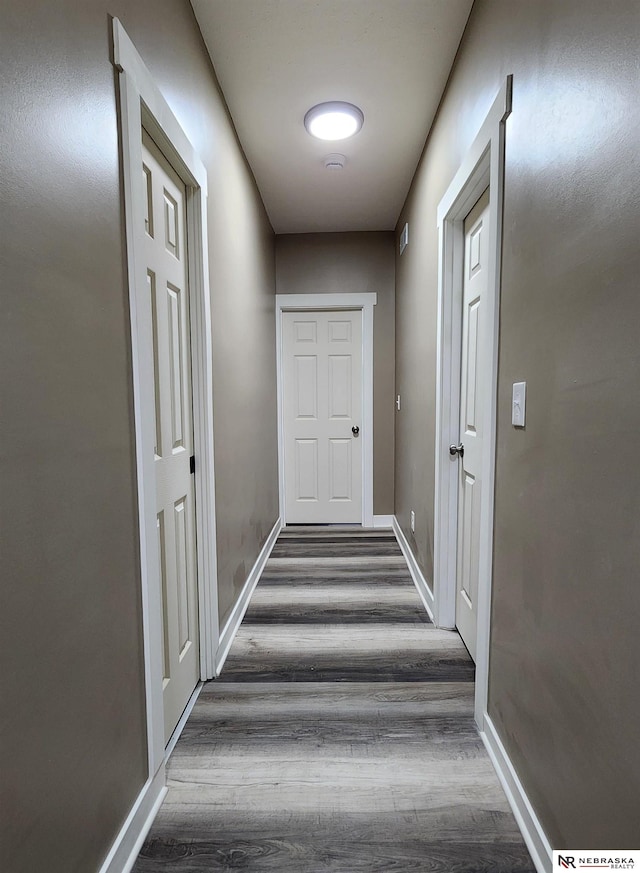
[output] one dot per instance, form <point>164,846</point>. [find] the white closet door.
<point>167,279</point>
<point>322,394</point>
<point>476,251</point>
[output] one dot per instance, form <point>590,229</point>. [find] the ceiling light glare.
<point>333,121</point>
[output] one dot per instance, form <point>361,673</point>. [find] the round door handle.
<point>456,450</point>
<point>355,430</point>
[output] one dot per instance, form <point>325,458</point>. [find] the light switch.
<point>398,403</point>
<point>518,403</point>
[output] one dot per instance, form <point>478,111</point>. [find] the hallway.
<point>340,736</point>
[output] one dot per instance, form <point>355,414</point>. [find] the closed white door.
<point>476,246</point>
<point>322,407</point>
<point>167,280</point>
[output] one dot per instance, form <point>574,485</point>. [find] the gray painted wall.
<point>565,645</point>
<point>319,263</point>
<point>73,721</point>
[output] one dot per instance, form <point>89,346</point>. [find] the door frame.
<point>333,302</point>
<point>141,104</point>
<point>482,167</point>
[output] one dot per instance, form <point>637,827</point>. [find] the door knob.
<point>456,450</point>
<point>355,430</point>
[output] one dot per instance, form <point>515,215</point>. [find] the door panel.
<point>176,358</point>
<point>322,401</point>
<point>151,284</point>
<point>305,331</point>
<point>182,574</point>
<point>340,470</point>
<point>148,200</point>
<point>162,564</point>
<point>469,545</point>
<point>476,231</point>
<point>471,357</point>
<point>306,381</point>
<point>168,286</point>
<point>171,231</point>
<point>340,386</point>
<point>306,473</point>
<point>339,331</point>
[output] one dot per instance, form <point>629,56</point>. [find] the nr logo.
<point>567,862</point>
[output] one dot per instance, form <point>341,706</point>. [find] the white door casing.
<point>364,302</point>
<point>322,407</point>
<point>481,168</point>
<point>168,286</point>
<point>474,286</point>
<point>143,105</point>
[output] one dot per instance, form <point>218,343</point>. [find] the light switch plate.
<point>398,403</point>
<point>413,521</point>
<point>518,403</point>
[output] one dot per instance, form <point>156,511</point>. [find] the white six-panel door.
<point>322,405</point>
<point>167,282</point>
<point>476,249</point>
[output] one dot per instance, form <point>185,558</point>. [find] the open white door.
<point>469,450</point>
<point>167,279</point>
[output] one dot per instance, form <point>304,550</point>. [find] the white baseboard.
<point>528,822</point>
<point>426,594</point>
<point>128,843</point>
<point>237,614</point>
<point>383,521</point>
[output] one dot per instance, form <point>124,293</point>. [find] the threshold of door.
<point>324,524</point>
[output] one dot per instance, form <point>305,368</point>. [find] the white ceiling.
<point>275,59</point>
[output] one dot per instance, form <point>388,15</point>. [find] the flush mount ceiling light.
<point>334,120</point>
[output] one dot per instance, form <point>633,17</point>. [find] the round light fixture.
<point>334,120</point>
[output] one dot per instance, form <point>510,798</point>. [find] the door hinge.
<point>192,464</point>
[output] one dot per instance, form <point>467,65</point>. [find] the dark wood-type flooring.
<point>340,737</point>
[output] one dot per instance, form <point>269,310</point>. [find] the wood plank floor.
<point>340,736</point>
